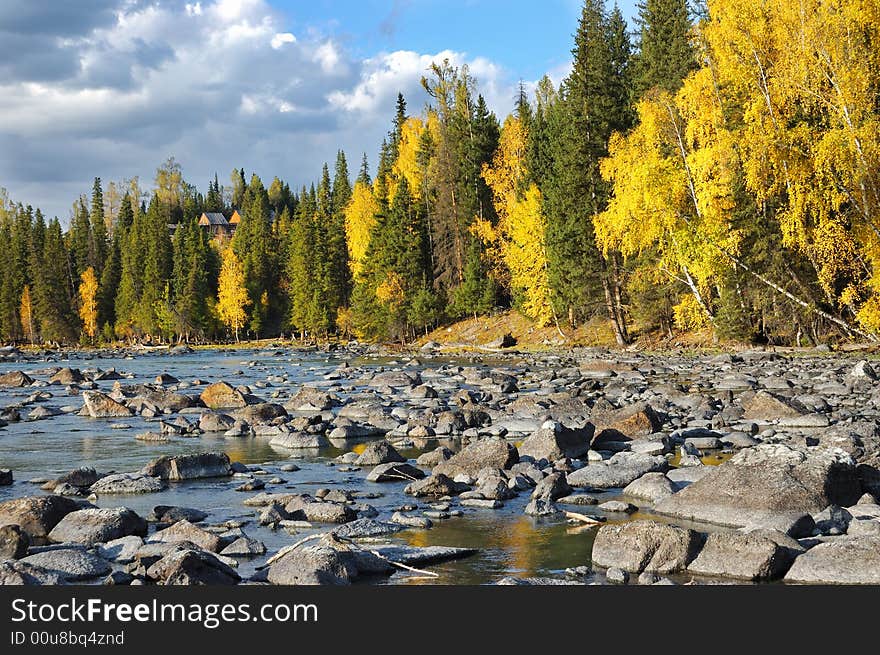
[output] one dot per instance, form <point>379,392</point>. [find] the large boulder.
<point>310,399</point>
<point>557,441</point>
<point>395,472</point>
<point>189,467</point>
<point>215,422</point>
<point>15,379</point>
<point>767,484</point>
<point>635,421</point>
<point>67,376</point>
<point>746,556</point>
<point>327,562</point>
<point>14,572</point>
<point>842,560</point>
<point>127,483</point>
<point>436,485</point>
<point>640,546</point>
<point>379,452</point>
<point>222,395</point>
<point>100,405</point>
<point>192,567</point>
<point>618,471</point>
<point>494,452</point>
<point>309,509</point>
<point>261,413</point>
<point>92,526</point>
<point>36,515</point>
<point>299,440</point>
<point>766,406</point>
<point>653,487</point>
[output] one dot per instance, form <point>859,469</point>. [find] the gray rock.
<point>367,528</point>
<point>215,422</point>
<point>379,452</point>
<point>189,467</point>
<point>436,485</point>
<point>319,512</point>
<point>556,441</point>
<point>300,440</point>
<point>5,477</point>
<point>14,542</point>
<point>92,526</point>
<point>172,514</point>
<point>16,379</point>
<point>618,471</point>
<point>833,520</point>
<point>640,546</point>
<point>16,572</point>
<point>36,515</point>
<point>127,483</point>
<point>750,556</point>
<point>312,565</point>
<point>763,481</point>
<point>244,547</point>
<point>578,499</point>
<point>192,567</point>
<point>184,531</point>
<point>615,575</point>
<point>393,472</point>
<point>541,507</point>
<point>122,550</point>
<point>651,486</point>
<point>494,452</point>
<point>843,560</point>
<point>72,564</point>
<point>423,556</point>
<point>434,457</point>
<point>552,487</point>
<point>418,522</point>
<point>100,405</point>
<point>617,506</point>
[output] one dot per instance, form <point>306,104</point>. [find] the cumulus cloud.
<point>114,87</point>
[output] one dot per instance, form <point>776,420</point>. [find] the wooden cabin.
<point>216,224</point>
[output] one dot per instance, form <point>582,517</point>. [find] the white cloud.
<point>218,85</point>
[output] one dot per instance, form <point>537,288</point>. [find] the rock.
<point>72,564</point>
<point>392,472</point>
<point>244,547</point>
<point>215,422</point>
<point>312,565</point>
<point>617,506</point>
<point>766,481</point>
<point>636,421</point>
<point>437,485</point>
<point>749,556</point>
<point>173,514</point>
<point>254,484</point>
<point>615,575</point>
<point>556,442</point>
<point>434,457</point>
<point>100,405</point>
<point>67,376</point>
<point>552,487</point>
<point>578,499</point>
<point>127,483</point>
<point>640,546</point>
<point>319,512</point>
<point>14,572</point>
<point>618,471</point>
<point>14,542</point>
<point>863,370</point>
<point>92,526</point>
<point>310,399</point>
<point>482,503</point>
<point>36,515</point>
<point>122,550</point>
<point>651,486</point>
<point>15,379</point>
<point>766,406</point>
<point>417,522</point>
<point>379,452</point>
<point>189,467</point>
<point>5,477</point>
<point>541,507</point>
<point>506,341</point>
<point>82,477</point>
<point>843,560</point>
<point>192,567</point>
<point>494,452</point>
<point>165,378</point>
<point>298,440</point>
<point>366,528</point>
<point>833,520</point>
<point>261,413</point>
<point>221,395</point>
<point>684,476</point>
<point>185,531</point>
<point>423,556</point>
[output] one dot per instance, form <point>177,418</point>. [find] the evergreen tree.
<point>666,52</point>
<point>52,298</point>
<point>97,230</point>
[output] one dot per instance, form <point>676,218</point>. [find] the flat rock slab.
<point>366,528</point>
<point>618,471</point>
<point>189,467</point>
<point>416,556</point>
<point>73,564</point>
<point>300,440</point>
<point>842,560</point>
<point>127,483</point>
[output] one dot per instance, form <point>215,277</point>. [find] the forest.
<point>717,170</point>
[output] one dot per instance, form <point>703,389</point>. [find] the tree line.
<point>719,170</point>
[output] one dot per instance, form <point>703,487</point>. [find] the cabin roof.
<point>213,218</point>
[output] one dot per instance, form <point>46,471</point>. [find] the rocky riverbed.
<point>351,465</point>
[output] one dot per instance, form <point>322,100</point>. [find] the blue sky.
<point>112,88</point>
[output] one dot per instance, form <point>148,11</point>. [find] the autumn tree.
<point>88,302</point>
<point>26,313</point>
<point>232,295</point>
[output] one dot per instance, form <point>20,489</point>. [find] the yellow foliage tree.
<point>26,313</point>
<point>88,297</point>
<point>407,163</point>
<point>803,79</point>
<point>515,245</point>
<point>232,295</point>
<point>360,217</point>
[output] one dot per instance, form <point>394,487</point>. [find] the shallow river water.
<point>509,542</point>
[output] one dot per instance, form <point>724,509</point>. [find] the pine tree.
<point>97,230</point>
<point>53,301</point>
<point>666,52</point>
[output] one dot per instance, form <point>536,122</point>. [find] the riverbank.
<point>582,466</point>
